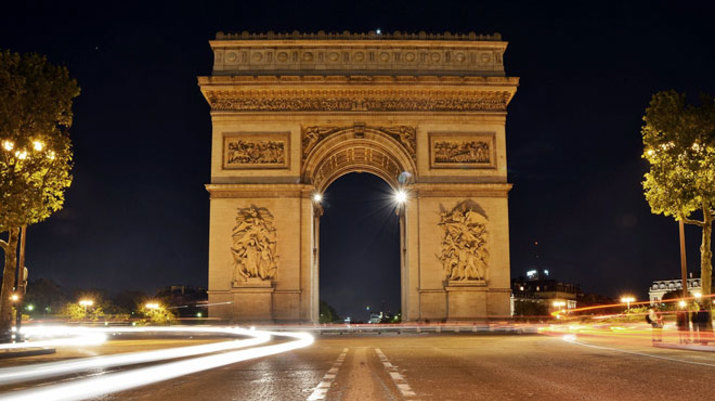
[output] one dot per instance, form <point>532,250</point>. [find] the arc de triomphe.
<point>291,113</point>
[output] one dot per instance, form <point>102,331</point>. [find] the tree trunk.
<point>8,284</point>
<point>706,262</point>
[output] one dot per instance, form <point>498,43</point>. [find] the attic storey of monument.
<point>292,113</point>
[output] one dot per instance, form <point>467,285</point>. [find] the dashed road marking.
<point>321,390</point>
<point>400,381</point>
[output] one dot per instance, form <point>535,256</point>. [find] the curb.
<point>20,352</point>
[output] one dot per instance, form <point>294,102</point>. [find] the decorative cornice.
<point>259,190</point>
<point>347,35</point>
<point>360,100</point>
<point>496,190</point>
<point>357,79</point>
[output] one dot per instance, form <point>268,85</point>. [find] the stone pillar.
<point>253,301</point>
<point>466,300</point>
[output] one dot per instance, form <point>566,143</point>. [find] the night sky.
<point>136,215</point>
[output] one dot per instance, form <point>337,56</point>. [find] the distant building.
<point>538,292</point>
<point>661,287</point>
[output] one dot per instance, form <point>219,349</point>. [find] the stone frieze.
<point>254,150</point>
<point>356,100</point>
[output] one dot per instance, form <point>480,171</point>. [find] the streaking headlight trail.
<point>95,386</point>
<point>39,371</point>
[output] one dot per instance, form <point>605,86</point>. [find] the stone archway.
<point>331,152</point>
<point>386,152</point>
<point>292,113</point>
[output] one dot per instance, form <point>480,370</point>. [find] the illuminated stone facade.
<point>291,113</point>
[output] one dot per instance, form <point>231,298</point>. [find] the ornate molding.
<point>357,100</point>
<point>347,35</point>
<point>254,246</point>
<point>464,253</point>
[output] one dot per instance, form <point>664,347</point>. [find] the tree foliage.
<point>679,142</point>
<point>35,148</point>
<point>35,152</point>
<point>327,313</point>
<point>158,316</point>
<point>679,145</point>
<point>75,312</point>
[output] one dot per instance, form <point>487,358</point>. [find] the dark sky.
<point>136,215</point>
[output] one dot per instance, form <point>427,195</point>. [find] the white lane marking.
<point>640,353</point>
<point>321,390</point>
<point>400,381</point>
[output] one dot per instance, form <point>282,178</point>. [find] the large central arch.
<point>331,153</point>
<point>293,113</point>
<point>334,152</point>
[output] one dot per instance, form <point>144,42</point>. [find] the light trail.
<point>573,340</point>
<point>45,370</point>
<point>113,382</point>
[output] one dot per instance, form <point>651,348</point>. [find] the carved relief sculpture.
<point>255,151</point>
<point>464,253</point>
<point>462,150</point>
<point>254,245</point>
<point>405,135</point>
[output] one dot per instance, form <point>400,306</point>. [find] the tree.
<point>35,152</point>
<point>46,296</point>
<point>327,313</point>
<point>156,314</point>
<point>679,144</point>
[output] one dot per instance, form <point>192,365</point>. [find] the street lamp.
<point>400,196</point>
<point>317,198</point>
<point>86,303</point>
<point>627,300</point>
<point>152,305</point>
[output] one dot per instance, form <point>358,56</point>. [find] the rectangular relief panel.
<point>256,150</point>
<point>462,150</point>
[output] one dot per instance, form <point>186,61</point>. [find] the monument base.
<point>466,300</point>
<point>253,301</point>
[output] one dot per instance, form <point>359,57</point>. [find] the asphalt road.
<point>450,367</point>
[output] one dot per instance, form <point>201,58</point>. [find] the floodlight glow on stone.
<point>317,198</point>
<point>401,196</point>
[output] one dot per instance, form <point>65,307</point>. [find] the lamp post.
<point>86,303</point>
<point>400,198</point>
<point>627,300</point>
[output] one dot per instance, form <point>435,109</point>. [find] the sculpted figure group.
<point>464,254</point>
<point>255,152</point>
<point>254,245</point>
<point>462,152</point>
